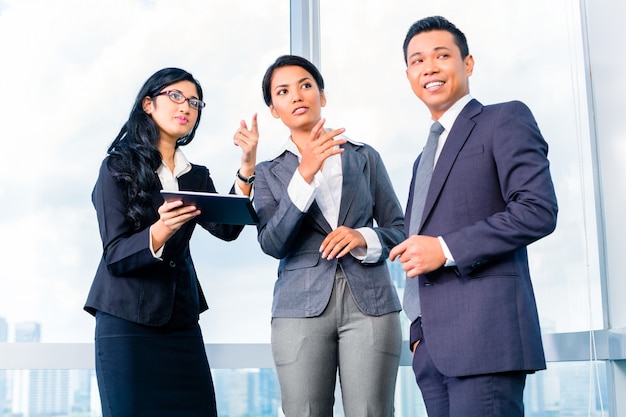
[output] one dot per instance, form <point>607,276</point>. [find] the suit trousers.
<point>364,350</point>
<point>489,395</point>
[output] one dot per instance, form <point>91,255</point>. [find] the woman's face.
<point>174,120</point>
<point>296,98</point>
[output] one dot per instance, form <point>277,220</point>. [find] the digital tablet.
<point>218,208</point>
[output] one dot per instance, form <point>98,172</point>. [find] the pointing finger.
<point>255,124</point>
<point>317,129</point>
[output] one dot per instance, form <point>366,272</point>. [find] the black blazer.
<point>130,282</point>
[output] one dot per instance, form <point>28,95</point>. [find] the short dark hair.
<point>285,61</point>
<point>436,23</point>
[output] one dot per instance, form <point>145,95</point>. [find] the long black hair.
<point>134,155</point>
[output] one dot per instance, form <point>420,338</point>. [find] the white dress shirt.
<point>447,121</point>
<point>326,189</point>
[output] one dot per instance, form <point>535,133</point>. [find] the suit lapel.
<point>191,180</point>
<point>352,169</point>
<point>459,133</point>
<point>283,169</point>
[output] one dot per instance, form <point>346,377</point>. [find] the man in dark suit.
<point>475,329</point>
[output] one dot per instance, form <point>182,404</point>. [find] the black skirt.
<point>152,371</point>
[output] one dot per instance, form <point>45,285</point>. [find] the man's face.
<point>437,73</point>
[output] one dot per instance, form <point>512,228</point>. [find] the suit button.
<point>172,264</point>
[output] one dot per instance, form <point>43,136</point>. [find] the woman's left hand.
<point>340,242</point>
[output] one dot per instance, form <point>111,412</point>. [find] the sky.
<point>71,69</point>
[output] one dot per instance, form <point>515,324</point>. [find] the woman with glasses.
<point>150,356</point>
<point>327,210</point>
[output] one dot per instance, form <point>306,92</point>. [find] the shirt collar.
<point>290,146</point>
<point>181,165</point>
<point>449,117</point>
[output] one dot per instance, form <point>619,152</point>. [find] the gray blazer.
<point>305,279</point>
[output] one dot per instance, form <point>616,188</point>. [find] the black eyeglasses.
<point>178,97</point>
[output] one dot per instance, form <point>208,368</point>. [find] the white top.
<point>326,189</point>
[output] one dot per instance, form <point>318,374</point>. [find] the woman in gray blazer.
<point>335,308</point>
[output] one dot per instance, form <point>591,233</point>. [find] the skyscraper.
<point>39,392</point>
<point>27,332</point>
<point>4,389</point>
<point>4,330</point>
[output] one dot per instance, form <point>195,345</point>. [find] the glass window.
<point>368,94</point>
<point>567,389</point>
<point>82,65</point>
<point>563,389</point>
<point>70,73</point>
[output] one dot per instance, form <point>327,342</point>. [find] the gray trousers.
<point>365,350</point>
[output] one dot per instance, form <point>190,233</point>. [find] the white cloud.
<point>72,68</point>
<point>71,74</point>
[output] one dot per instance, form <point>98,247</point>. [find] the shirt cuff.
<point>158,253</point>
<point>373,251</point>
<point>301,192</point>
<point>446,252</point>
<point>239,191</point>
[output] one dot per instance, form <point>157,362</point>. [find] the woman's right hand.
<point>247,140</point>
<point>172,216</point>
<point>320,146</point>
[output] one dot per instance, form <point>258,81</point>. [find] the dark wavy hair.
<point>134,156</point>
<point>431,23</point>
<point>285,61</point>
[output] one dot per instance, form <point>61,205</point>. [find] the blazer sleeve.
<point>279,219</point>
<point>124,250</point>
<point>529,213</point>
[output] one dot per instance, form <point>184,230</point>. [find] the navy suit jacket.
<point>130,282</point>
<point>305,280</point>
<point>490,196</point>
